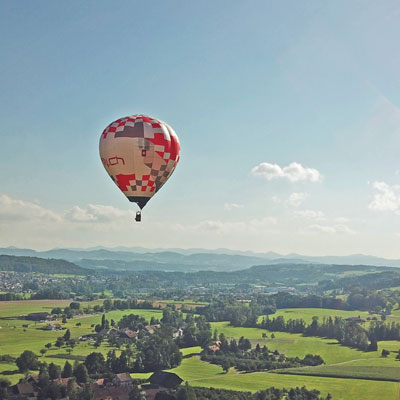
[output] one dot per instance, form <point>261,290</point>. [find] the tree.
<point>26,361</point>
<point>43,379</point>
<point>67,335</point>
<point>48,345</point>
<point>75,305</point>
<point>95,363</point>
<point>81,373</point>
<point>225,364</point>
<point>67,371</point>
<point>134,394</point>
<point>64,319</point>
<point>385,353</point>
<point>86,393</point>
<point>43,351</point>
<point>107,305</point>
<point>54,371</point>
<point>4,385</point>
<point>60,342</point>
<point>186,393</point>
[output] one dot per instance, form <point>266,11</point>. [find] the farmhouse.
<point>25,390</point>
<point>128,333</point>
<point>111,393</point>
<point>164,379</point>
<point>53,327</point>
<point>123,379</point>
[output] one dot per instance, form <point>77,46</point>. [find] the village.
<point>117,388</point>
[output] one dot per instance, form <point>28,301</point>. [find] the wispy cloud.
<point>97,213</point>
<point>386,198</point>
<point>310,214</point>
<point>296,199</point>
<point>225,227</point>
<point>293,172</point>
<point>14,210</point>
<point>332,229</point>
<point>232,206</point>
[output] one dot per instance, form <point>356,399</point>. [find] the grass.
<point>349,371</point>
<point>308,313</point>
<point>293,345</point>
<point>15,338</point>
<point>199,373</point>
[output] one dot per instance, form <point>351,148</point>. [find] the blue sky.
<point>288,116</point>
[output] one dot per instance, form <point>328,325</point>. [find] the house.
<point>149,329</point>
<point>178,333</point>
<point>215,347</point>
<point>64,382</point>
<point>24,390</point>
<point>53,327</point>
<point>111,393</point>
<point>33,379</point>
<point>123,379</point>
<point>128,333</point>
<point>165,379</point>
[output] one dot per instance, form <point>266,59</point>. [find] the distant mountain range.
<point>187,260</point>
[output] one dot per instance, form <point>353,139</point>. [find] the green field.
<point>308,313</point>
<point>360,373</point>
<point>199,373</point>
<point>14,338</point>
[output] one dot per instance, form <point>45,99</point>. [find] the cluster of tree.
<point>12,296</point>
<point>346,333</point>
<point>377,280</point>
<point>132,321</point>
<point>380,330</point>
<point>197,332</point>
<point>238,313</point>
<point>28,360</point>
<point>41,265</point>
<point>127,304</point>
<point>241,356</point>
<point>159,351</point>
<point>49,388</point>
<point>187,392</point>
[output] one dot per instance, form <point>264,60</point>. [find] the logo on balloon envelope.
<point>139,153</point>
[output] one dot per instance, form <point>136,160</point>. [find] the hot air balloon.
<point>139,153</point>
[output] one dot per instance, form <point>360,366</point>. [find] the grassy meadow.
<point>347,373</point>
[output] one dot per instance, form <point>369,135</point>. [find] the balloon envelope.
<point>139,153</point>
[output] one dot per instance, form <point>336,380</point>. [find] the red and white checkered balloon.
<point>139,153</point>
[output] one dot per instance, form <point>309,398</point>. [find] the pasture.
<point>199,373</point>
<point>17,335</point>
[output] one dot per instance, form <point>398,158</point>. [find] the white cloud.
<point>97,213</point>
<point>225,227</point>
<point>14,210</point>
<point>387,197</point>
<point>294,172</point>
<point>296,199</point>
<point>232,206</point>
<point>310,214</point>
<point>332,229</point>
